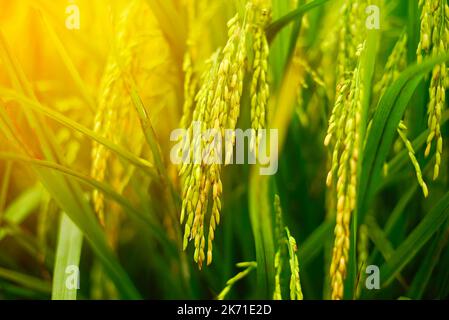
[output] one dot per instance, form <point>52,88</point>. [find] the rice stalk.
<point>111,101</point>
<point>344,126</point>
<point>295,283</point>
<point>277,294</point>
<point>217,106</point>
<point>411,153</point>
<point>362,255</point>
<point>344,162</point>
<point>285,241</point>
<point>434,39</point>
<point>137,36</point>
<point>250,266</point>
<point>259,90</point>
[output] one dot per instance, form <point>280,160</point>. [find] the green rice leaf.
<point>22,206</point>
<point>147,220</point>
<point>422,277</point>
<point>276,26</point>
<point>415,241</point>
<point>25,280</point>
<point>66,271</point>
<point>312,246</point>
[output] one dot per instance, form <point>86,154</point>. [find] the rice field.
<point>224,149</point>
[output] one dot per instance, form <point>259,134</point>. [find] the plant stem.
<point>276,26</point>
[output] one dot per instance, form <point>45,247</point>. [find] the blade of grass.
<point>150,137</point>
<point>120,151</point>
<point>20,292</point>
<point>423,276</point>
<point>442,278</point>
<point>172,203</point>
<point>389,131</point>
<point>80,212</point>
<point>312,246</point>
<point>68,252</point>
<point>4,187</point>
<point>381,242</point>
<point>261,222</point>
<point>415,241</point>
<point>148,220</point>
<point>399,209</point>
<point>276,26</point>
<point>29,243</point>
<point>25,280</point>
<point>417,113</point>
<point>279,55</point>
<point>295,32</point>
<point>22,206</point>
<point>393,219</point>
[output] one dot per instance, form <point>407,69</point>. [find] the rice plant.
<point>213,149</point>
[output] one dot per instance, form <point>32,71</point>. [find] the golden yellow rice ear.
<point>250,266</point>
<point>259,90</point>
<point>216,106</point>
<point>277,294</point>
<point>411,153</point>
<point>280,236</point>
<point>295,283</point>
<point>433,42</point>
<point>286,246</point>
<point>111,98</point>
<point>115,117</point>
<point>344,133</point>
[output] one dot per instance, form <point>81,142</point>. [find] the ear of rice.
<point>434,37</point>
